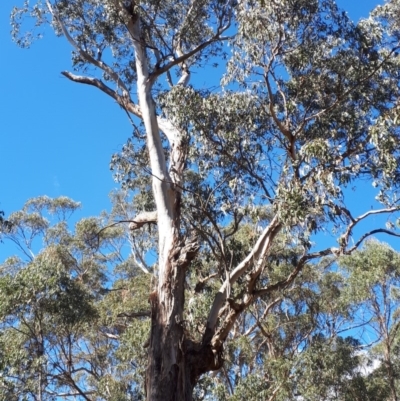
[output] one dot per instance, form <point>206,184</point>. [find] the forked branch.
<point>255,257</point>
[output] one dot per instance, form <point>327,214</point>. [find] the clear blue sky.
<point>57,137</point>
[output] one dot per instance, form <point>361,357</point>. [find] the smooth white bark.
<point>163,192</point>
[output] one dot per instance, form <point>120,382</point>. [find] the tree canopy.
<point>227,290</point>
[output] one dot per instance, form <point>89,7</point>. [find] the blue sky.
<point>57,137</point>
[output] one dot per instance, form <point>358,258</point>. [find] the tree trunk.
<point>175,362</point>
<point>170,375</point>
<point>167,375</point>
<point>390,371</point>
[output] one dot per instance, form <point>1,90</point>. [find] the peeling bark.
<point>168,374</point>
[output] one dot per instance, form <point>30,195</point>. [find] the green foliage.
<point>308,107</point>
<point>65,322</point>
<point>62,328</point>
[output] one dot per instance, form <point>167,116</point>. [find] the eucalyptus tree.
<point>373,284</point>
<point>64,330</point>
<point>308,107</point>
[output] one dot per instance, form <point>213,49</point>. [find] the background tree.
<point>373,281</point>
<point>76,318</point>
<point>308,107</point>
<point>65,328</point>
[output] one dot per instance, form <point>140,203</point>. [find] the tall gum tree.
<point>309,105</point>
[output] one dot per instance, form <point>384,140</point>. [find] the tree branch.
<point>180,60</point>
<point>64,395</point>
<point>345,236</point>
<point>123,100</point>
<point>368,234</point>
<point>110,336</point>
<point>255,257</point>
<point>139,221</point>
<point>143,218</point>
<point>85,55</point>
<point>134,315</point>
